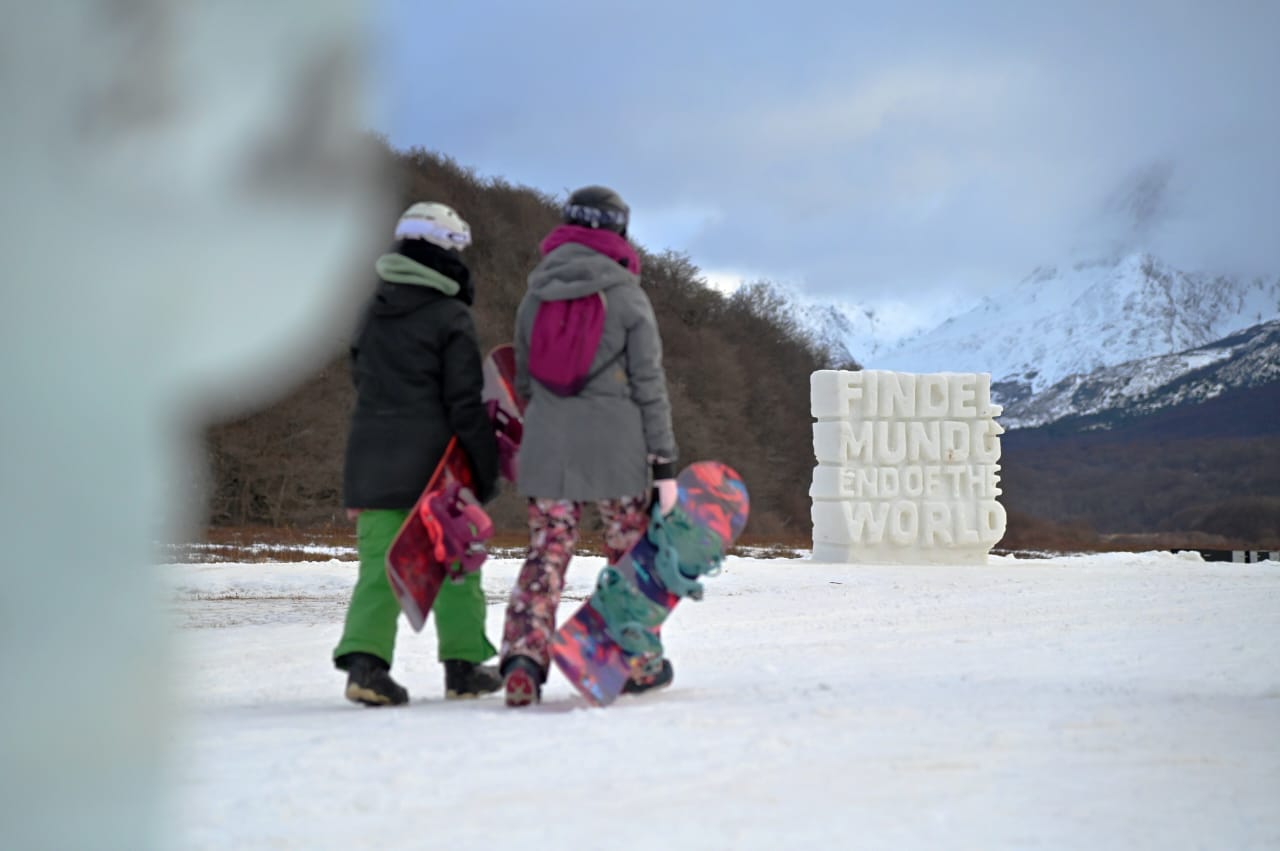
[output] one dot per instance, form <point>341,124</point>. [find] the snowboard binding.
<point>457,528</point>
<point>509,431</point>
<point>685,552</point>
<point>629,616</point>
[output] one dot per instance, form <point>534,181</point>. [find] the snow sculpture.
<point>907,468</point>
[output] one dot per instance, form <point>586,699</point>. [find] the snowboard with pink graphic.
<point>444,535</point>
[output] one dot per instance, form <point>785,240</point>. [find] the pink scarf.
<point>608,243</point>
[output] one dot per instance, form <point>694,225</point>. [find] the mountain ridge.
<point>1242,360</point>
<point>1067,340</point>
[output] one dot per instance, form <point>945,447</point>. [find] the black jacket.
<point>416,365</point>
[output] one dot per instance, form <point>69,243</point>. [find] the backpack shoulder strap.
<point>591,376</point>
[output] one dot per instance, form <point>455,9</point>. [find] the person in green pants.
<point>416,366</point>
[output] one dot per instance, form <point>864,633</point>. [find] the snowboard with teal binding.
<point>616,632</point>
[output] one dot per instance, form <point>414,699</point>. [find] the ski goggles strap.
<point>594,217</point>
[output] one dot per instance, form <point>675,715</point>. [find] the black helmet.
<point>597,207</point>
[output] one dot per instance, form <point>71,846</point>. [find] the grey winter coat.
<point>595,445</point>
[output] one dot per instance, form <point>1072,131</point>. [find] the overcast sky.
<point>869,151</point>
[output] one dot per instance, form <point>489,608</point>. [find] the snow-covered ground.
<point>1112,701</point>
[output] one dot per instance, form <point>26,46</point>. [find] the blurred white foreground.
<point>1113,701</point>
<point>184,187</point>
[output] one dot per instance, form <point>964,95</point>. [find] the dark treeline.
<point>737,366</point>
<point>1211,469</point>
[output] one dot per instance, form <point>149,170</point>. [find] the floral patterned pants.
<point>553,533</point>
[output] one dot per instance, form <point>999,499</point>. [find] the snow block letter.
<point>906,469</point>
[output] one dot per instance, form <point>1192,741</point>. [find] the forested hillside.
<point>1211,468</point>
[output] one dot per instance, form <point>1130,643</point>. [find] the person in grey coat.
<point>611,443</point>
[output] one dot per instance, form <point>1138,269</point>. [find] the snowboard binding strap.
<point>509,431</point>
<point>458,529</point>
<point>685,552</point>
<point>629,616</point>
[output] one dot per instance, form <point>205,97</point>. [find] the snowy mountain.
<point>1061,322</point>
<point>1073,340</point>
<point>1242,361</point>
<point>849,332</point>
<point>833,327</point>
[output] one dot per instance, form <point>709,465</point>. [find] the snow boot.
<point>369,681</point>
<point>469,679</point>
<point>661,679</point>
<point>522,680</point>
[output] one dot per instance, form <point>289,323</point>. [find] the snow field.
<point>1109,701</point>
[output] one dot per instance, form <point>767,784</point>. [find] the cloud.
<point>853,113</point>
<point>669,225</point>
<point>868,150</point>
<point>726,281</point>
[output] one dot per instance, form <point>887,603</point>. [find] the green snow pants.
<point>458,612</point>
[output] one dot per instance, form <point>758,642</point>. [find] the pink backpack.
<point>565,337</point>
